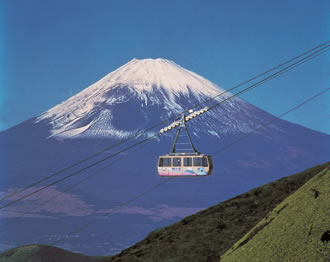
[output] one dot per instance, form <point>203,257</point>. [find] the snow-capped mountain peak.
<point>147,74</point>
<point>139,92</point>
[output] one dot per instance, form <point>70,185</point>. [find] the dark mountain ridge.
<point>207,235</point>
<point>204,236</point>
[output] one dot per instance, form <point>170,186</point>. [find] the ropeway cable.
<point>139,133</point>
<point>288,68</point>
<point>30,211</point>
<point>270,121</point>
<point>284,70</point>
<point>114,210</point>
<point>78,171</point>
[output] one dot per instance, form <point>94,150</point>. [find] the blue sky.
<point>50,50</point>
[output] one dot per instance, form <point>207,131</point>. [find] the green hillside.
<point>43,253</point>
<point>208,234</point>
<point>293,230</point>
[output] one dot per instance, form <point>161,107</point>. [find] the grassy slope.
<point>43,253</point>
<point>293,230</point>
<point>204,236</point>
<point>208,234</point>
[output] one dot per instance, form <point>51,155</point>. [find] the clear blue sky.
<point>50,49</point>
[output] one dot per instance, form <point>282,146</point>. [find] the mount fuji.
<point>158,89</point>
<point>132,98</point>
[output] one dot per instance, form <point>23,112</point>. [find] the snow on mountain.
<point>145,88</point>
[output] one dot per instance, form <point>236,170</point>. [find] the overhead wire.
<point>77,172</point>
<point>30,211</point>
<point>286,69</point>
<point>115,209</point>
<point>140,133</point>
<point>126,203</point>
<point>325,45</point>
<point>270,121</point>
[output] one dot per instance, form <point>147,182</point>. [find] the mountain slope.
<point>293,230</point>
<point>136,96</point>
<point>208,234</point>
<point>142,91</point>
<point>42,253</point>
<point>204,236</point>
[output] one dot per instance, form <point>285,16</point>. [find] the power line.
<point>112,211</point>
<point>139,133</point>
<point>286,69</point>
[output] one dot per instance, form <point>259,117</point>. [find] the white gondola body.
<point>185,165</point>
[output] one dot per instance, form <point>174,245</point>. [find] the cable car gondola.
<point>184,162</point>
